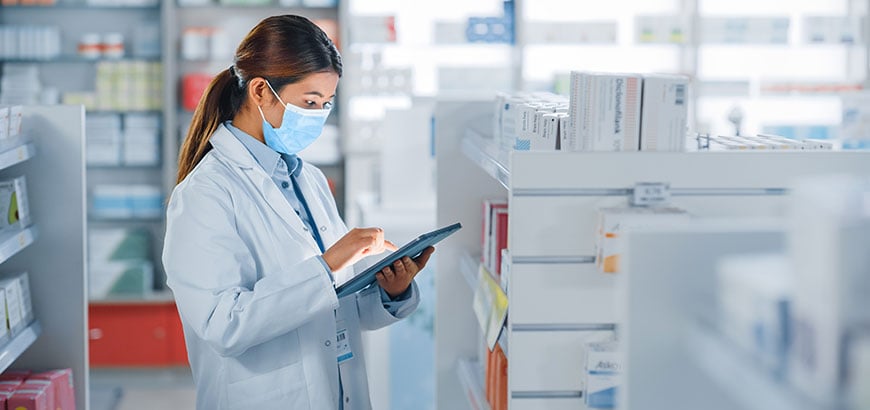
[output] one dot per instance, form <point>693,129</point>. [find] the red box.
<point>21,375</point>
<point>193,86</point>
<point>34,398</point>
<point>10,385</point>
<point>62,383</point>
<point>4,398</point>
<point>36,385</point>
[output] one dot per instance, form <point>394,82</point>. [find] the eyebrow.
<point>317,94</point>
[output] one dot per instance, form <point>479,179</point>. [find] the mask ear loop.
<point>276,94</point>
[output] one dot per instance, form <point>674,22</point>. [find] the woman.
<point>254,243</point>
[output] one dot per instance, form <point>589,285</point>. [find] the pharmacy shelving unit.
<point>557,296</point>
<point>52,159</point>
<point>70,72</point>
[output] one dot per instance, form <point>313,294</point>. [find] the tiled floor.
<point>141,389</point>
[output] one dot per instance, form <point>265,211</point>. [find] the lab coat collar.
<point>235,153</point>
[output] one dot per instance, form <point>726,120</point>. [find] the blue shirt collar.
<point>268,158</point>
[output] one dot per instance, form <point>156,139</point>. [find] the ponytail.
<point>283,49</point>
<point>219,103</point>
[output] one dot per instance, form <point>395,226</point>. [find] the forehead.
<point>324,83</point>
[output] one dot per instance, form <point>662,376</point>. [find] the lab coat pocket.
<point>282,389</point>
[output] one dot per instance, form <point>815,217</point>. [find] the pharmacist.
<point>254,242</point>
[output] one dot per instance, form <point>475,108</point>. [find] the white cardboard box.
<point>605,112</point>
<point>664,112</point>
<point>12,289</point>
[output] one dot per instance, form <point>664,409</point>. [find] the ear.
<point>259,93</point>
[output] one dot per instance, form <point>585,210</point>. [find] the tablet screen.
<point>411,249</point>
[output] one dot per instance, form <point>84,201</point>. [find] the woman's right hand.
<point>355,245</point>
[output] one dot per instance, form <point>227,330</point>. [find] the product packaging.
<point>664,112</point>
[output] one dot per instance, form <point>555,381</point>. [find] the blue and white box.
<point>603,375</point>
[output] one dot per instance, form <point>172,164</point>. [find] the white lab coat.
<point>257,305</point>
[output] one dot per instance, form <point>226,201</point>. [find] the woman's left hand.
<point>395,279</point>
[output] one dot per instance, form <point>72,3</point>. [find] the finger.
<point>399,267</point>
<point>380,277</point>
<point>388,274</point>
<point>423,259</point>
<point>390,246</point>
<point>410,266</point>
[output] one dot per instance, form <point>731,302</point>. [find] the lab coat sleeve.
<point>375,314</point>
<point>206,262</point>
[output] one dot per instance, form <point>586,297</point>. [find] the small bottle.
<point>89,46</point>
<point>113,45</point>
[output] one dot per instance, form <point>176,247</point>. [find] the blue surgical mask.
<point>299,128</point>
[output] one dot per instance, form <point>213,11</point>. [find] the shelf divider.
<point>15,241</point>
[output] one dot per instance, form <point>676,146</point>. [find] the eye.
<point>310,103</point>
<point>327,105</point>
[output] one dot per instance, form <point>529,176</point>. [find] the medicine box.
<point>14,315</point>
<point>605,112</point>
<point>13,204</point>
<point>664,112</point>
<point>62,384</point>
<point>603,375</point>
<point>15,117</point>
<point>35,397</point>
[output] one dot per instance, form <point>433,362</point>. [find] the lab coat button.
<point>284,185</point>
<point>323,228</point>
<point>327,343</point>
<point>305,229</point>
<point>347,399</point>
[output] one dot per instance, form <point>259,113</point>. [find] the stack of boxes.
<point>26,390</point>
<point>135,141</point>
<point>123,86</point>
<point>605,112</point>
<point>119,263</point>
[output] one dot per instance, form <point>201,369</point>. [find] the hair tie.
<point>232,71</point>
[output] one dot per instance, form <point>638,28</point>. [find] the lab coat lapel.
<point>316,205</point>
<point>232,149</point>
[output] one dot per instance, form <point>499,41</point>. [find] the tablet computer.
<point>412,249</point>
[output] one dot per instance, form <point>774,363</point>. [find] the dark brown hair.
<point>281,49</point>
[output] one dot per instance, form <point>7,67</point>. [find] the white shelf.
<point>17,155</point>
<point>472,384</point>
<point>14,241</point>
<point>741,377</point>
<point>18,345</point>
<point>483,152</point>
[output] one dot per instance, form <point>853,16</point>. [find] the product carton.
<point>62,383</point>
<point>603,373</point>
<point>14,318</point>
<point>664,112</point>
<point>605,112</point>
<point>13,204</point>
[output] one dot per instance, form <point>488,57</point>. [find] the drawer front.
<point>561,294</point>
<point>135,335</point>
<point>547,404</point>
<point>549,361</point>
